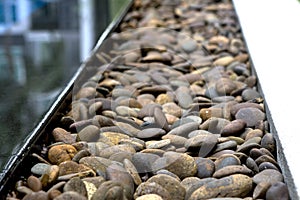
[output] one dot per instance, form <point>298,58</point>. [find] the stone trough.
<point>168,106</point>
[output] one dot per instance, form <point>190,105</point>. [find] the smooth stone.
<point>232,169</point>
<point>260,190</point>
<point>161,119</point>
<point>214,125</point>
<point>231,144</point>
<point>250,94</point>
<point>207,113</point>
<point>102,121</point>
<point>251,164</point>
<point>149,133</point>
<point>196,185</point>
<point>143,161</point>
<point>118,174</point>
<point>40,195</point>
<point>60,153</point>
<point>70,195</point>
<point>61,135</point>
<point>34,183</point>
<point>150,197</point>
<point>205,167</point>
<point>148,110</point>
<point>269,175</point>
<point>90,133</point>
<point>157,144</point>
<point>163,99</point>
<point>267,165</point>
<point>96,181</point>
<point>268,142</point>
<point>223,61</point>
<point>126,111</point>
<point>121,156</point>
<point>177,141</point>
<point>181,121</point>
<point>265,158</point>
<point>109,190</point>
<point>204,143</point>
<point>40,168</point>
<point>80,154</point>
<point>180,164</point>
<point>136,143</point>
<point>252,116</point>
<point>52,174</point>
<point>190,77</point>
<point>152,188</point>
<point>195,118</point>
<point>183,96</point>
<point>189,45</point>
<point>107,152</point>
<point>95,108</point>
<point>130,168</point>
<point>90,188</point>
<point>171,119</point>
<point>166,172</point>
<point>225,86</point>
<point>188,182</point>
<point>131,103</point>
<point>172,185</point>
<point>76,184</point>
<point>52,194</point>
<point>237,185</point>
<point>278,191</point>
<point>127,129</point>
<point>226,160</point>
<point>185,129</point>
<point>118,92</point>
<point>235,108</point>
<point>86,92</point>
<point>234,128</point>
<point>254,133</point>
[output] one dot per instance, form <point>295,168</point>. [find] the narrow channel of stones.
<point>172,112</point>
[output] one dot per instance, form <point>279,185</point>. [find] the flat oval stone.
<point>205,167</point>
<point>172,109</point>
<point>226,160</point>
<point>171,184</point>
<point>152,188</point>
<point>267,165</point>
<point>184,129</point>
<point>130,168</point>
<point>234,128</point>
<point>109,190</point>
<point>250,94</point>
<point>157,144</point>
<point>177,141</point>
<point>231,144</point>
<point>148,110</point>
<point>225,86</point>
<point>278,190</point>
<point>161,119</point>
<point>260,190</point>
<point>150,133</point>
<point>70,195</point>
<point>126,111</point>
<point>143,161</point>
<point>71,167</point>
<point>237,185</point>
<point>232,169</point>
<point>107,152</point>
<point>184,97</point>
<point>268,142</point>
<point>41,195</point>
<point>189,45</point>
<point>235,108</point>
<point>114,137</point>
<point>34,183</point>
<point>252,116</point>
<point>60,153</point>
<point>40,168</point>
<point>223,61</point>
<point>90,133</point>
<point>180,164</point>
<point>188,182</point>
<point>196,185</point>
<point>269,175</point>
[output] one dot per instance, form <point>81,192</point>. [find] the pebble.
<point>34,183</point>
<point>76,184</point>
<point>90,133</point>
<point>61,135</point>
<point>234,128</point>
<point>269,175</point>
<point>226,160</point>
<point>150,133</point>
<point>236,185</point>
<point>252,116</point>
<point>150,197</point>
<point>41,195</point>
<point>60,153</point>
<point>250,94</point>
<point>109,190</point>
<point>277,191</point>
<point>40,168</point>
<point>205,167</point>
<point>184,130</point>
<point>152,188</point>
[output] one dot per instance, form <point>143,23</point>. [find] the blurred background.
<point>42,44</point>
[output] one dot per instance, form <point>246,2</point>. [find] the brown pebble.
<point>234,128</point>
<point>34,183</point>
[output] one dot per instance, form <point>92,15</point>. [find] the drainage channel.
<point>168,106</point>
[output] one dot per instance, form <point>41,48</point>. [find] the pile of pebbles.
<point>172,113</point>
